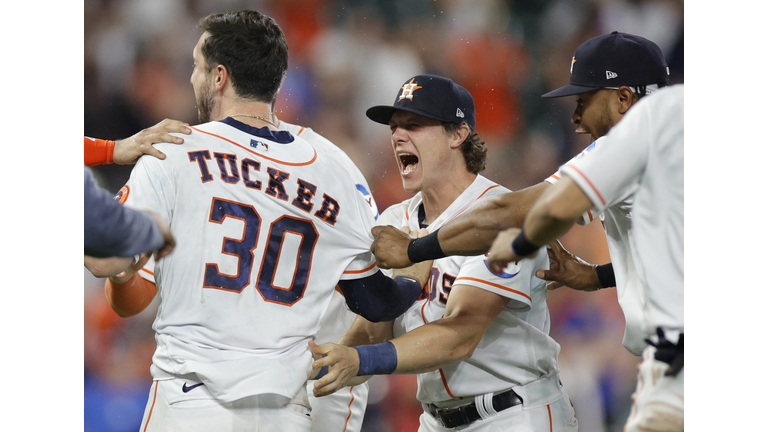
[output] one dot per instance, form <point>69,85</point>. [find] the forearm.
<point>473,232</point>
<point>98,151</point>
<point>364,332</point>
<point>555,212</point>
<point>131,297</point>
<point>436,344</point>
<point>379,298</point>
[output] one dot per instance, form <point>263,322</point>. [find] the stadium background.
<point>345,56</point>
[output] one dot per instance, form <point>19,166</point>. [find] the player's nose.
<point>576,117</point>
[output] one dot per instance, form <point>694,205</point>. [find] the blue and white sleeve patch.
<point>369,199</point>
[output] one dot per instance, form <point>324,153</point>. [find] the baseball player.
<point>341,411</point>
<point>478,342</point>
<point>610,73</point>
<point>266,224</point>
<point>642,156</point>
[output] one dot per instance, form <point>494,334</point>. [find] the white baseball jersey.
<point>516,348</point>
<point>345,409</point>
<point>643,153</point>
<point>265,225</point>
<point>617,222</point>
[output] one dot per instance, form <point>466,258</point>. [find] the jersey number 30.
<point>243,249</point>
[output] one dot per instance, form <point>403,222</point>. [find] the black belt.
<point>466,414</point>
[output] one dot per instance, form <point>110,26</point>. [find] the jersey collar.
<point>280,137</point>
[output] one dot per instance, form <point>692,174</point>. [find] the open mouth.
<point>408,162</point>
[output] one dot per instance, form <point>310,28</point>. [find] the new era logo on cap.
<point>431,96</point>
<point>610,75</point>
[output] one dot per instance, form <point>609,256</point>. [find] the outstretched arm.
<point>470,234</point>
<point>549,218</point>
<point>453,338</point>
<point>128,151</point>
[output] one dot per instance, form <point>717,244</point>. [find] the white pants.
<point>170,409</point>
<point>657,404</point>
<point>557,416</point>
<point>342,411</point>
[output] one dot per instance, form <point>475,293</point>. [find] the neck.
<point>257,114</point>
<point>437,199</point>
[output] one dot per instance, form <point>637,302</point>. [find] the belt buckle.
<point>447,411</point>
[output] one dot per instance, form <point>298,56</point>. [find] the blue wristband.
<point>379,359</point>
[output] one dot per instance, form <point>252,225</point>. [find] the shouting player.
<point>265,226</point>
<point>478,342</point>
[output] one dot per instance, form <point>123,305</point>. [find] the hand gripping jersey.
<point>516,349</point>
<point>617,222</point>
<point>643,155</point>
<point>265,226</point>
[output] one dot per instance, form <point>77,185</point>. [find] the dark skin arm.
<point>470,234</point>
<point>566,269</point>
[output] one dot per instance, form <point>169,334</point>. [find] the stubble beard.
<point>205,105</point>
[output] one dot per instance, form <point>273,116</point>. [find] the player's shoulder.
<point>394,214</point>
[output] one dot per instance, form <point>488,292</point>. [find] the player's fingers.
<point>169,125</point>
<point>422,232</point>
<point>154,152</point>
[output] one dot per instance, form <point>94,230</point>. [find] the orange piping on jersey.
<point>467,206</point>
<point>590,216</point>
<point>154,398</point>
<point>144,269</point>
<point>299,133</point>
<point>445,384</point>
<point>350,392</point>
<point>602,200</point>
<point>261,155</point>
<point>493,285</point>
<point>406,215</point>
<point>549,410</point>
<point>360,271</point>
<point>555,177</point>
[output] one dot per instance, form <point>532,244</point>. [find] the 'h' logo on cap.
<point>408,90</point>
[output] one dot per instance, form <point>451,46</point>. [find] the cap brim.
<point>383,113</point>
<point>569,90</point>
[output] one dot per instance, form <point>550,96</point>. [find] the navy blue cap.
<point>614,60</point>
<point>432,96</point>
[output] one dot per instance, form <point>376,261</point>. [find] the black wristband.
<point>425,248</point>
<point>605,275</point>
<point>521,246</point>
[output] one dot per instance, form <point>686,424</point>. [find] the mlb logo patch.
<point>258,145</point>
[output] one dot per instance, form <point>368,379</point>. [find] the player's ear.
<point>626,99</point>
<point>221,77</point>
<point>459,135</point>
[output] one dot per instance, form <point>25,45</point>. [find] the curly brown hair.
<point>473,148</point>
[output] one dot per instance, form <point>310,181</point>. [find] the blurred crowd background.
<point>345,56</point>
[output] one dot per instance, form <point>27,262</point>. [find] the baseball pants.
<point>183,404</point>
<point>657,404</point>
<point>342,411</point>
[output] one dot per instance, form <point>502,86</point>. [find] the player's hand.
<point>566,269</point>
<point>419,271</point>
<point>500,254</point>
<point>129,150</point>
<point>343,363</point>
<point>125,276</point>
<point>169,241</point>
<point>390,246</point>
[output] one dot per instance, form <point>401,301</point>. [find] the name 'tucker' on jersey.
<point>265,227</point>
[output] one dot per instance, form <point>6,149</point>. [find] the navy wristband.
<point>523,247</point>
<point>379,359</point>
<point>425,248</point>
<point>605,275</point>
